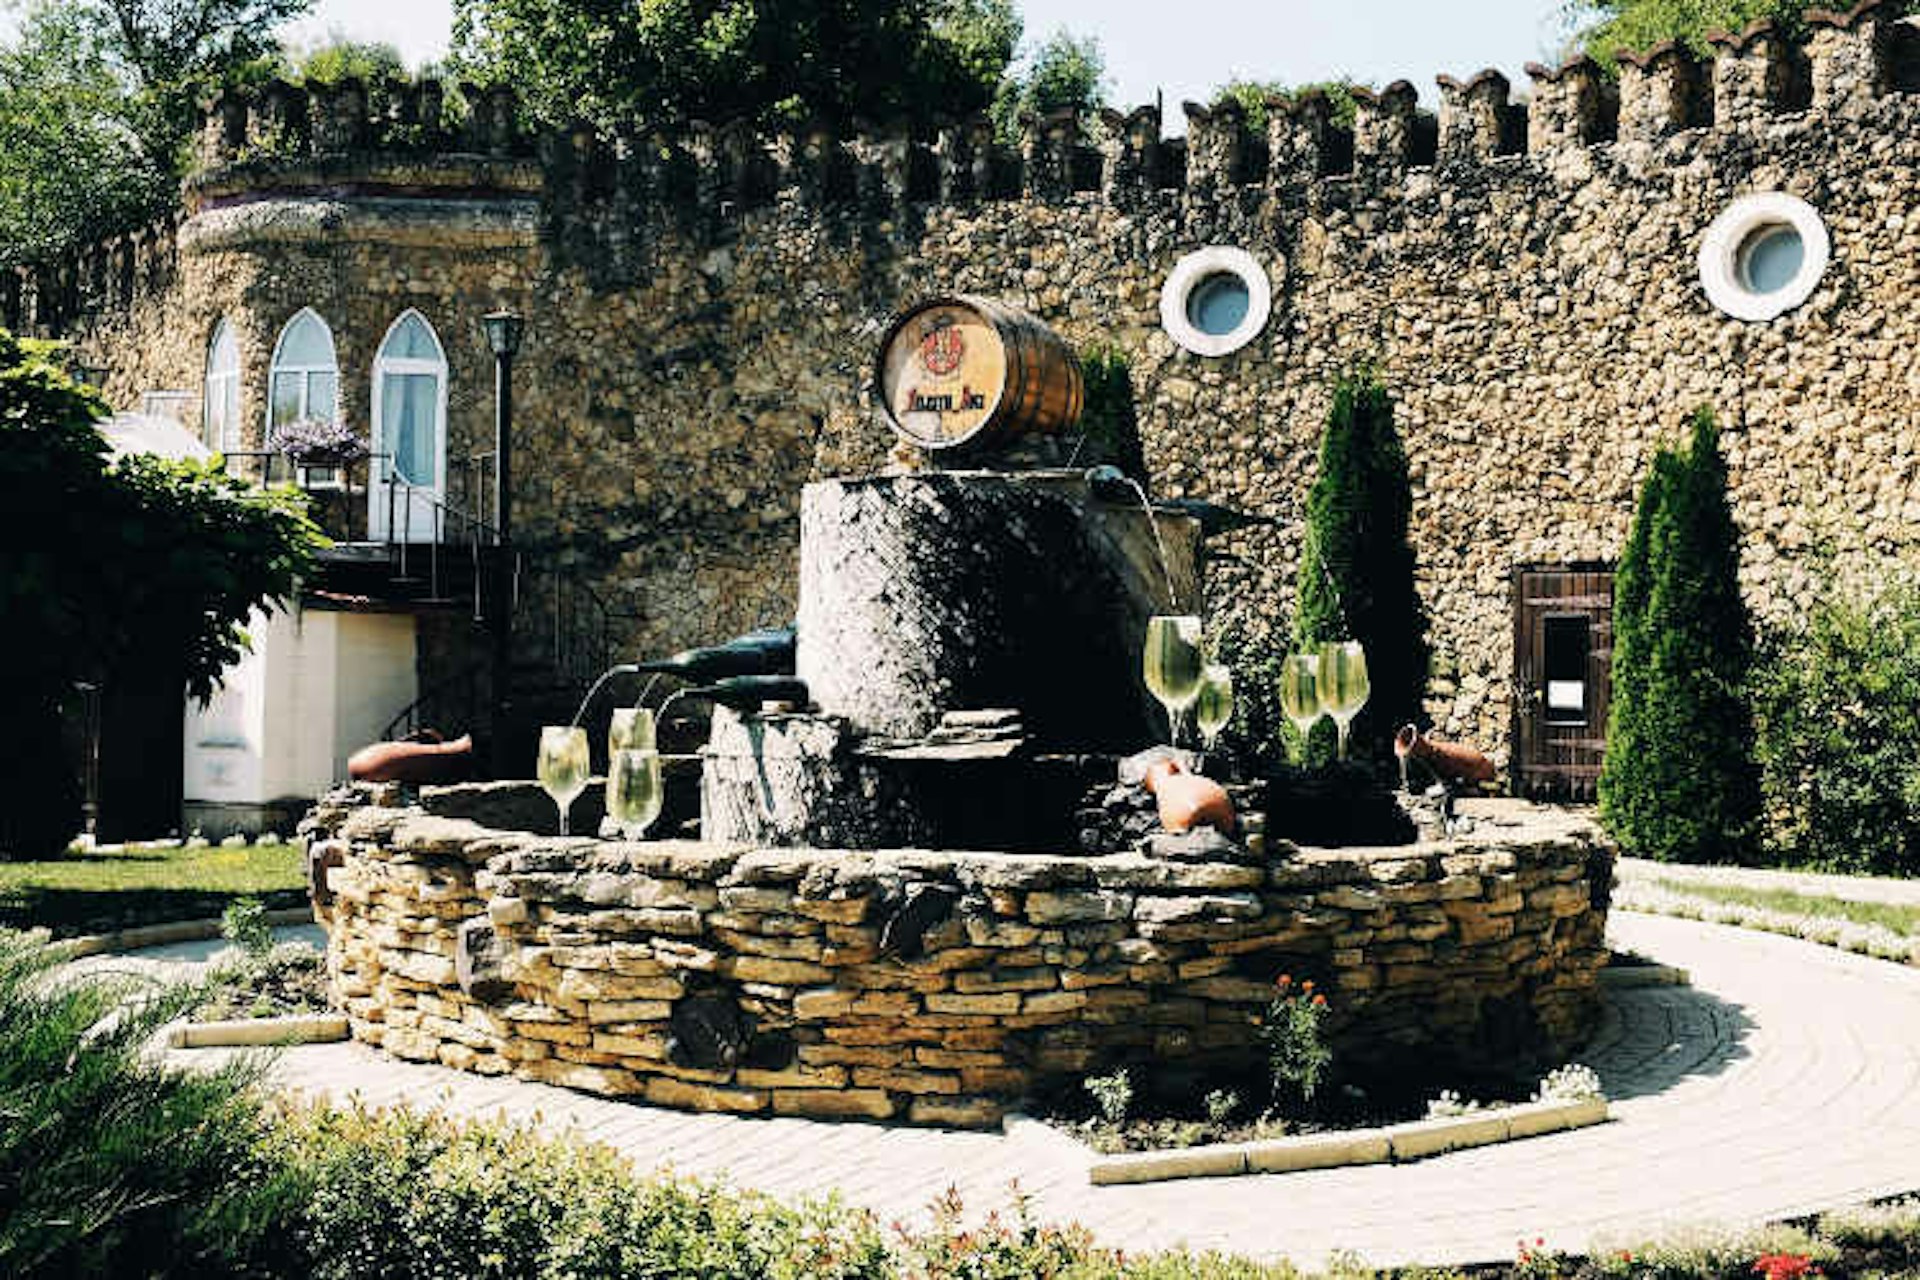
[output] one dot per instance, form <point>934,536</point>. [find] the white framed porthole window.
<point>1764,256</point>
<point>1216,301</point>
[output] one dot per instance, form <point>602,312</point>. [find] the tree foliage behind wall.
<point>1251,96</point>
<point>773,61</point>
<point>1679,781</point>
<point>1605,29</point>
<point>98,99</point>
<point>1064,71</point>
<point>112,568</point>
<point>1356,570</point>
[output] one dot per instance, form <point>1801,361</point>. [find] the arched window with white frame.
<point>220,396</point>
<point>305,378</point>
<point>409,430</point>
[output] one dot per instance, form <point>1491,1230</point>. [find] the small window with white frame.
<point>1764,256</point>
<point>1216,300</point>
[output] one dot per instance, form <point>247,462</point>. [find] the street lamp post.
<point>504,330</point>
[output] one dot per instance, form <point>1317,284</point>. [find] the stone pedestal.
<point>808,780</point>
<point>941,591</point>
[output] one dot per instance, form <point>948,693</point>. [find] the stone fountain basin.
<point>938,987</point>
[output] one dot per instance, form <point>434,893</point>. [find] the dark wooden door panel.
<point>1562,651</point>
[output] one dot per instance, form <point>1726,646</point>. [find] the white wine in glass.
<point>631,730</point>
<point>1214,707</point>
<point>1343,684</point>
<point>634,794</point>
<point>1172,664</point>
<point>563,766</point>
<point>1300,694</point>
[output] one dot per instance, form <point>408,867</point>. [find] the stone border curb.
<point>311,1028</point>
<point>160,935</point>
<point>1628,976</point>
<point>1395,1143</point>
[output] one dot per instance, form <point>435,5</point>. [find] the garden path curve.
<point>1785,1080</point>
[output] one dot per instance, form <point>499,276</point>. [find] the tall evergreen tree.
<point>1356,572</point>
<point>1623,808</point>
<point>1679,782</point>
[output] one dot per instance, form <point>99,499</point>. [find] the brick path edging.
<point>1415,1140</point>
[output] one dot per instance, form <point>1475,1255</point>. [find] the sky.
<point>1184,49</point>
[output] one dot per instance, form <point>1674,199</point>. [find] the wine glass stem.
<point>563,817</point>
<point>1341,725</point>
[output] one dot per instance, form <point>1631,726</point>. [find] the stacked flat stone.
<point>608,967</point>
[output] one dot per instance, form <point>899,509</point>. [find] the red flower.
<point>1320,1001</point>
<point>1784,1266</point>
<point>1284,981</point>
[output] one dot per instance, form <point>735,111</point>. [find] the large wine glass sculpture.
<point>1172,664</point>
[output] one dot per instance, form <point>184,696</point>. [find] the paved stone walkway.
<point>1787,1079</point>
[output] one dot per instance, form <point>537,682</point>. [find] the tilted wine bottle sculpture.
<point>766,652</point>
<point>749,692</point>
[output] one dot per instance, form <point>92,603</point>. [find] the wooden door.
<point>1562,655</point>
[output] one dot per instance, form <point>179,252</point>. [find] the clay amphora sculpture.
<point>425,759</point>
<point>1188,800</point>
<point>1450,761</point>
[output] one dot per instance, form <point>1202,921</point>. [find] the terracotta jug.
<point>427,761</point>
<point>1451,761</point>
<point>1188,800</point>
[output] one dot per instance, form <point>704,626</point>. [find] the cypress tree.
<point>1356,571</point>
<point>1679,782</point>
<point>1622,805</point>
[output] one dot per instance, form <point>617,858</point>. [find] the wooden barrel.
<point>966,370</point>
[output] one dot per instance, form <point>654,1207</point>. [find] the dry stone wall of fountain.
<point>934,987</point>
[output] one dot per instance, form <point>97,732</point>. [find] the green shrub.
<point>1356,570</point>
<point>1110,420</point>
<point>1297,1051</point>
<point>112,1164</point>
<point>1679,781</point>
<point>1837,706</point>
<point>244,925</point>
<point>395,1194</point>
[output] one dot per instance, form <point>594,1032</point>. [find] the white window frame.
<point>1722,265</point>
<point>385,365</point>
<point>310,477</point>
<point>1189,274</point>
<point>221,386</point>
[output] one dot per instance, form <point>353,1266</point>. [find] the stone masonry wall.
<point>606,966</point>
<point>704,307</point>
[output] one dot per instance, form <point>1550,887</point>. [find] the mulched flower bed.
<point>1176,1120</point>
<point>289,980</point>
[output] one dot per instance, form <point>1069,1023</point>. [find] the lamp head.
<point>504,329</point>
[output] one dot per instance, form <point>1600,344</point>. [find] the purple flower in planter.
<point>319,442</point>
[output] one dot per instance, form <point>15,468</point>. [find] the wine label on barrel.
<point>942,375</point>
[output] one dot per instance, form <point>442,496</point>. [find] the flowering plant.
<point>1785,1266</point>
<point>319,442</point>
<point>1297,1052</point>
<point>1570,1083</point>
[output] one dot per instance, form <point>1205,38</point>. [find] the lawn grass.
<point>100,890</point>
<point>1898,917</point>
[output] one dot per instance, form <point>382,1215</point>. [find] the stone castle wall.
<point>616,967</point>
<point>704,308</point>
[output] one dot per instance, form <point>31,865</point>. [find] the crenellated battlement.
<point>104,276</point>
<point>420,139</point>
<point>1847,60</point>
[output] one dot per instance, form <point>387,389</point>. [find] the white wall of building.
<point>317,687</point>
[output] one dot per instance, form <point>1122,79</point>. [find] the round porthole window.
<point>1216,301</point>
<point>1764,256</point>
